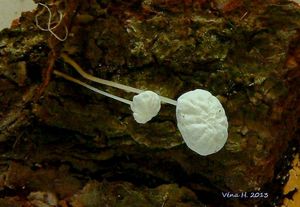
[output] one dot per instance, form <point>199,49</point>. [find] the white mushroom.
<point>145,106</point>
<point>202,121</point>
<point>201,118</point>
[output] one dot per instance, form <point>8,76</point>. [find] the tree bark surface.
<point>76,148</point>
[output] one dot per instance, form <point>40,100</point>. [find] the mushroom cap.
<point>145,106</point>
<point>201,121</point>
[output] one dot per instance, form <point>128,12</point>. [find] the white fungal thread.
<point>49,28</point>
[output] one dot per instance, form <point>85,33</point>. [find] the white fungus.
<point>201,121</point>
<point>145,106</point>
<point>201,118</point>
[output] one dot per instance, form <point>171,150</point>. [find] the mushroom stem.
<point>110,83</point>
<point>69,78</point>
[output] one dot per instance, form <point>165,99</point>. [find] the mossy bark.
<point>56,136</point>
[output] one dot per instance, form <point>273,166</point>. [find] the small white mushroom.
<point>145,106</point>
<point>202,121</point>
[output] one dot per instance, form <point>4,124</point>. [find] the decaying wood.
<point>64,145</point>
